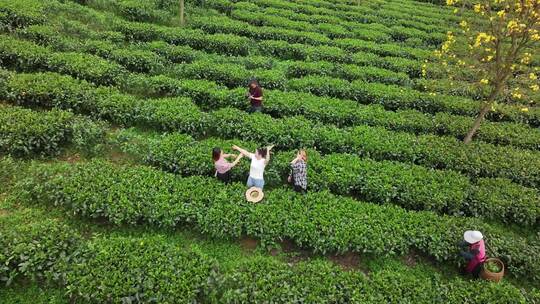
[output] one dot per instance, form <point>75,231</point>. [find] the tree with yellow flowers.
<point>496,43</point>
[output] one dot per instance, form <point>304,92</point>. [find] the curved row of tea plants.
<point>415,99</point>
<point>24,132</point>
<point>412,187</point>
<point>17,14</point>
<point>28,56</point>
<point>318,220</point>
<point>477,159</point>
<point>278,47</point>
<point>121,267</point>
<point>233,75</point>
<point>25,55</point>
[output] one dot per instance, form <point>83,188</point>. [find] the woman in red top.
<point>222,166</point>
<point>255,96</point>
<point>474,251</point>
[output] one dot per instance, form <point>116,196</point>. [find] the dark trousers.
<point>254,109</point>
<point>476,272</point>
<point>225,177</point>
<point>299,189</point>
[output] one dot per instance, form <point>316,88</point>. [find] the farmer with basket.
<point>474,251</point>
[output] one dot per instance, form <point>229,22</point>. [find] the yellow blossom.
<point>501,13</point>
<point>483,37</point>
<point>532,76</point>
<point>513,26</point>
<point>478,8</point>
<point>484,81</point>
<point>526,59</point>
<point>450,2</point>
<point>524,109</point>
<point>516,95</point>
<point>463,23</point>
<point>534,87</point>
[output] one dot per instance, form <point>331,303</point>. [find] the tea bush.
<point>25,132</point>
<point>34,248</point>
<point>136,269</point>
<point>318,220</point>
<point>476,160</point>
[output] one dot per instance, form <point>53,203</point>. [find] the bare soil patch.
<point>347,261</point>
<point>248,244</point>
<point>293,252</point>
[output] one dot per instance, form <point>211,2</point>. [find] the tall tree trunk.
<point>182,18</point>
<point>468,138</point>
<point>477,123</point>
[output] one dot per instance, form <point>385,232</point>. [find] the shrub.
<point>16,14</point>
<point>142,11</point>
<point>173,53</point>
<point>24,132</point>
<point>136,269</point>
<point>138,61</point>
<point>87,67</point>
<point>318,220</point>
<point>266,280</point>
<point>355,45</point>
<point>34,246</point>
<point>22,55</point>
<point>508,202</point>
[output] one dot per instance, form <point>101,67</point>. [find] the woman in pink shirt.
<point>222,165</point>
<point>474,251</point>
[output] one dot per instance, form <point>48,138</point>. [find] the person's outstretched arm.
<point>242,151</point>
<point>238,158</point>
<point>268,149</point>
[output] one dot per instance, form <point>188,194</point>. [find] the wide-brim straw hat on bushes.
<point>254,194</point>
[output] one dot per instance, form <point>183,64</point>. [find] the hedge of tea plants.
<point>25,132</point>
<point>136,270</point>
<point>318,220</point>
<point>116,267</point>
<point>476,160</point>
<point>412,187</point>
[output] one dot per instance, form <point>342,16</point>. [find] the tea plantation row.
<point>318,220</point>
<point>54,91</point>
<point>26,56</point>
<point>412,187</point>
<point>116,267</point>
<point>25,132</point>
